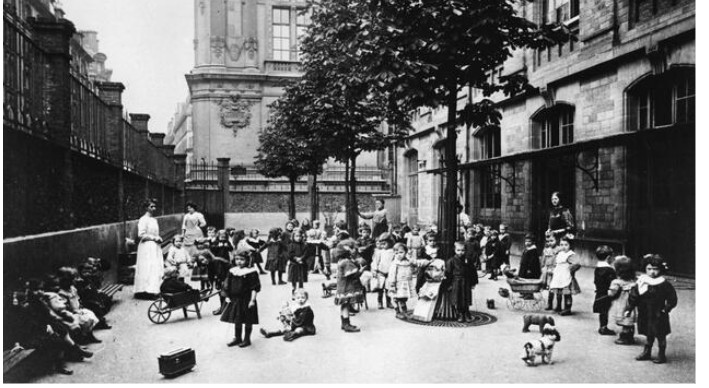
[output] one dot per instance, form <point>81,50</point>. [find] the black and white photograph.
<point>350,192</point>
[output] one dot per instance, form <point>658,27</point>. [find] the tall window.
<point>662,100</point>
<point>490,187</point>
<point>302,20</point>
<point>281,34</point>
<point>487,144</point>
<point>413,178</point>
<point>553,127</point>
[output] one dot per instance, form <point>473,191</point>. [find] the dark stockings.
<point>603,320</point>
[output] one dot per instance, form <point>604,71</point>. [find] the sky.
<point>149,45</point>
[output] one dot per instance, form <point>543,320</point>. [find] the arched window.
<point>487,143</point>
<point>412,177</point>
<point>662,100</point>
<point>553,126</point>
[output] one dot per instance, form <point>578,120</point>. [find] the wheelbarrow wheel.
<point>158,312</point>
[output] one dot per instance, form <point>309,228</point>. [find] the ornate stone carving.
<point>235,112</point>
<point>235,49</point>
<point>251,46</point>
<point>217,44</point>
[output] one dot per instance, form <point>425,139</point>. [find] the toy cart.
<point>160,310</point>
<point>526,294</point>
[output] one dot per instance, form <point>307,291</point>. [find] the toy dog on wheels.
<point>542,347</point>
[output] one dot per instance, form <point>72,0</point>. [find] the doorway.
<point>661,180</point>
<point>550,175</point>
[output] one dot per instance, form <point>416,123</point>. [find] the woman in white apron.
<point>192,223</point>
<point>149,262</point>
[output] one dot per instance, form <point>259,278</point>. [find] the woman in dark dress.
<point>240,289</point>
<point>378,217</point>
<point>561,221</point>
<point>654,297</point>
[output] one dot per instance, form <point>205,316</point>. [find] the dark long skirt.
<point>237,311</point>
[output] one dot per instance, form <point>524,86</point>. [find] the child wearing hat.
<point>654,297</point>
<point>529,267</point>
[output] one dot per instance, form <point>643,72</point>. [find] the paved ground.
<point>386,351</point>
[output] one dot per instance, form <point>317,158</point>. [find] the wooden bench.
<point>111,289</point>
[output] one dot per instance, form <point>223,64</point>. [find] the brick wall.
<point>516,206</point>
<point>600,211</point>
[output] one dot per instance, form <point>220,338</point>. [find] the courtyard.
<point>387,350</point>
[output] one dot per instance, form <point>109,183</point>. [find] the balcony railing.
<point>279,67</point>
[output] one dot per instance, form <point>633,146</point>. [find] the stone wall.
<point>40,254</point>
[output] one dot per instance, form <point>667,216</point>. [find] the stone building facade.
<point>610,125</point>
<point>246,51</point>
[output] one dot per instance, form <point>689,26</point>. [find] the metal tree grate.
<point>479,319</point>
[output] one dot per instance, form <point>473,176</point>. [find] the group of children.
<point>645,301</point>
<point>59,313</point>
<point>394,265</point>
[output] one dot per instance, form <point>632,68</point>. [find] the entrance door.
<point>550,175</point>
<point>661,188</point>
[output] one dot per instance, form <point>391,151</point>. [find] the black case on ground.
<point>176,361</point>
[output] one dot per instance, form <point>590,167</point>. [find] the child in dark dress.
<point>505,244</point>
<point>240,289</point>
<point>275,263</point>
<point>218,259</point>
<point>603,275</point>
<point>366,244</point>
<point>297,318</point>
<point>472,248</point>
<point>493,253</point>
<point>297,252</point>
<point>258,246</point>
<point>349,288</point>
<point>654,297</point>
<point>464,278</point>
<point>529,267</point>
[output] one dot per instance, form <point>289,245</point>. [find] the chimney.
<point>140,122</point>
<point>157,138</point>
<point>168,149</point>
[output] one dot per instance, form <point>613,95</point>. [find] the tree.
<point>420,53</point>
<point>283,150</point>
<point>343,110</point>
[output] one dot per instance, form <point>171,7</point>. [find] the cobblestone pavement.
<point>386,351</point>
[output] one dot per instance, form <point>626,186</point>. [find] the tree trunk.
<point>314,211</point>
<point>347,194</point>
<point>449,232</point>
<point>352,224</point>
<point>291,199</point>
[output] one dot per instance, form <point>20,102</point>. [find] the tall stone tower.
<point>245,51</point>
